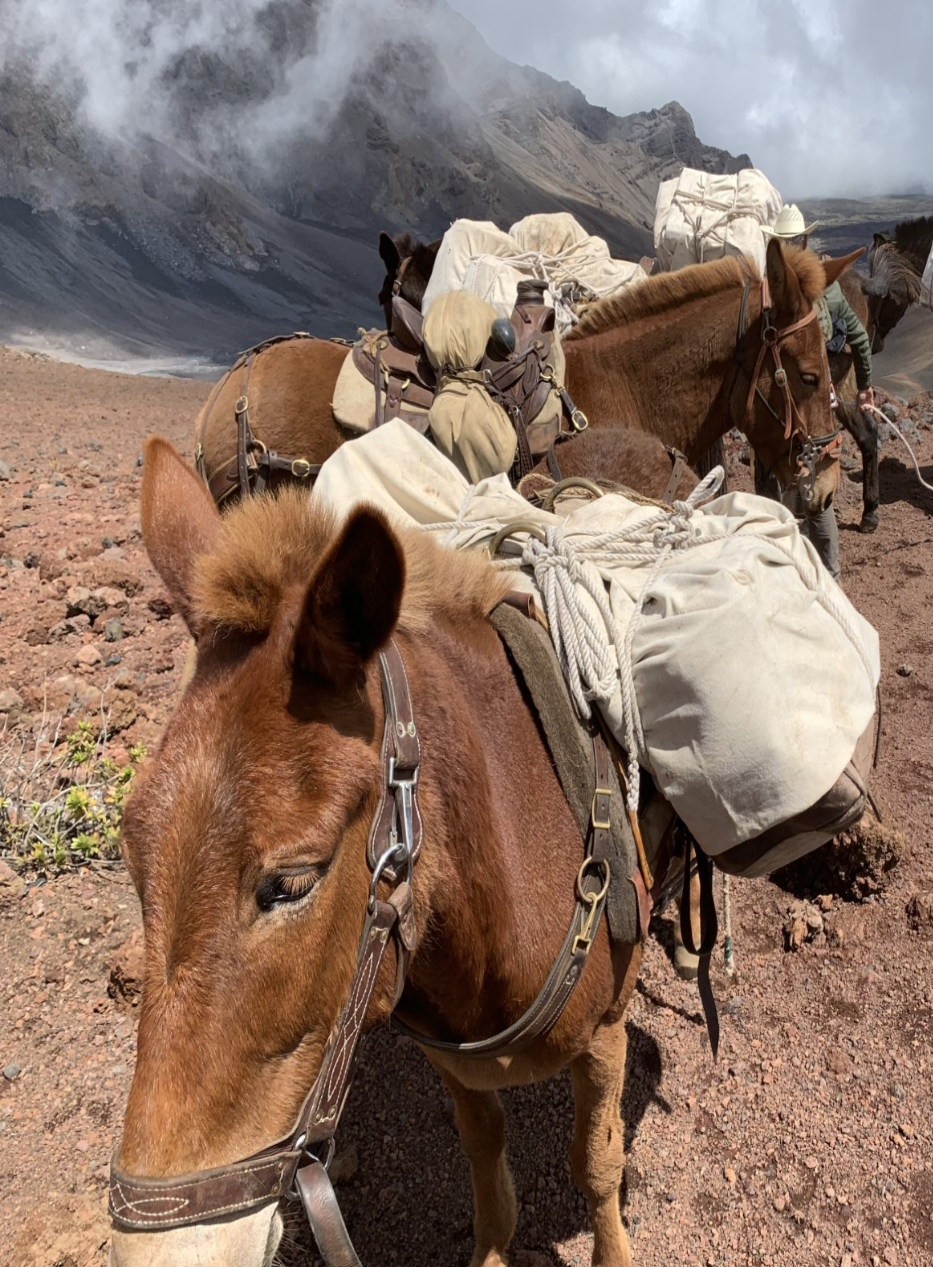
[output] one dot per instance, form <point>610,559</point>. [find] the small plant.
<point>61,799</point>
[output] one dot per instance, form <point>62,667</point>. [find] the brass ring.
<point>572,481</point>
<point>517,525</point>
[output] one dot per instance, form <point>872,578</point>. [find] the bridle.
<point>809,449</point>
<point>295,1167</point>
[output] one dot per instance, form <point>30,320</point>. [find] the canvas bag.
<point>755,677</point>
<point>700,216</point>
<point>468,426</point>
<point>479,257</point>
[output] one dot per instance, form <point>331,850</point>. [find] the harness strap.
<point>709,929</point>
<point>592,889</point>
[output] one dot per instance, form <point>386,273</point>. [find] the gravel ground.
<point>809,1141</point>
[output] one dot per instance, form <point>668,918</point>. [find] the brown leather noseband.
<point>296,1166</point>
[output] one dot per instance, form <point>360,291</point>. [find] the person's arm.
<point>859,343</point>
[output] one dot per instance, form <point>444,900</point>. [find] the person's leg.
<point>824,537</point>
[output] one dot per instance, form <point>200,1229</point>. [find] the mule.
<point>246,839</point>
<point>892,286</point>
<point>681,356</point>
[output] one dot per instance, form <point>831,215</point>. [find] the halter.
<point>812,448</point>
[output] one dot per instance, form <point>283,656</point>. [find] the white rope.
<point>903,439</point>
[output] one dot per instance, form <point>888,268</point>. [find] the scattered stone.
<point>345,1165</point>
<point>730,1176</point>
<point>88,656</point>
<point>113,630</point>
<point>112,661</point>
<point>837,1061</point>
<point>804,923</point>
<point>126,970</point>
<point>12,886</point>
<point>32,560</point>
<point>78,597</point>
<point>904,670</point>
<point>780,1203</point>
<point>160,607</point>
<point>5,471</point>
<point>11,703</point>
<point>12,1072</point>
<point>920,912</point>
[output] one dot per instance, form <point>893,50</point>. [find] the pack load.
<point>717,648</point>
<point>700,216</point>
<point>490,390</point>
<point>577,267</point>
<point>926,285</point>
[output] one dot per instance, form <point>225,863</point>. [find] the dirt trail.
<point>810,1141</point>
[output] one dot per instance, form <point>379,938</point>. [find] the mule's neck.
<point>670,374</point>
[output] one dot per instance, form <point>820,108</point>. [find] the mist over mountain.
<point>189,179</point>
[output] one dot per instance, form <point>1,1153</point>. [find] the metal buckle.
<point>780,376</point>
<point>607,825</point>
<point>242,405</point>
<point>579,420</point>
<point>584,939</point>
<point>301,468</point>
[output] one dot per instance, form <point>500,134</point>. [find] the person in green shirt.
<point>839,325</point>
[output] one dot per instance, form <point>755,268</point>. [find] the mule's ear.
<point>432,248</point>
<point>835,268</point>
<point>352,605</point>
<point>879,239</point>
<point>179,519</point>
<point>388,253</point>
<point>786,295</point>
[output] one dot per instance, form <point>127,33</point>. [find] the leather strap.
<point>320,1205</point>
<point>592,888</point>
<point>709,930</point>
<point>679,465</point>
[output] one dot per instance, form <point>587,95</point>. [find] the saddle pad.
<point>354,403</point>
<point>532,655</point>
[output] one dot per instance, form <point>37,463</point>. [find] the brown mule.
<point>246,838</point>
<point>678,356</point>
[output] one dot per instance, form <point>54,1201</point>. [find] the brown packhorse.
<point>249,839</point>
<point>684,356</point>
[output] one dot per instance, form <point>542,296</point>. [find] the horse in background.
<point>895,269</point>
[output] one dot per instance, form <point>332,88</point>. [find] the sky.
<point>829,97</point>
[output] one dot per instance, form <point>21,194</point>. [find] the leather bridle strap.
<point>156,1204</point>
<point>592,888</point>
<point>771,340</point>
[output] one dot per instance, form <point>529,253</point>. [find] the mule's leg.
<point>481,1123</point>
<point>864,431</point>
<point>597,1156</point>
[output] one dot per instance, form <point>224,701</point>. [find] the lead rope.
<point>900,435</point>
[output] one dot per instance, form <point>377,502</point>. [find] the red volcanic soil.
<point>811,1141</point>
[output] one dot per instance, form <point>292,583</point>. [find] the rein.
<point>296,1166</point>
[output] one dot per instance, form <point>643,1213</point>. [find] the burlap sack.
<point>470,428</point>
<point>700,216</point>
<point>456,330</point>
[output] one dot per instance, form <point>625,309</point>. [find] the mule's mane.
<point>270,547</point>
<point>915,237</point>
<point>660,294</point>
<point>891,268</point>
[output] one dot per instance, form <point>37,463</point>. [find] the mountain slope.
<point>217,231</point>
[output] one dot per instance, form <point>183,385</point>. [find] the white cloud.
<point>828,98</point>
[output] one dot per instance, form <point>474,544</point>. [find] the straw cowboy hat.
<point>789,223</point>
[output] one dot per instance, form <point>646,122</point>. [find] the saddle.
<point>519,378</point>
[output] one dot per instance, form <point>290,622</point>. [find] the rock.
<point>122,709</point>
<point>729,1175</point>
<point>345,1165</point>
<point>113,573</point>
<point>88,656</point>
<point>12,1072</point>
<point>837,1061</point>
<point>112,661</point>
<point>12,886</point>
<point>904,670</point>
<point>127,965</point>
<point>920,912</point>
<point>78,597</point>
<point>160,607</point>
<point>5,471</point>
<point>11,704</point>
<point>65,628</point>
<point>113,630</point>
<point>32,560</point>
<point>803,923</point>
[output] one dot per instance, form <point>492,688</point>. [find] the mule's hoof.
<point>869,523</point>
<point>686,966</point>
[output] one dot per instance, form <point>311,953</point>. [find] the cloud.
<point>829,98</point>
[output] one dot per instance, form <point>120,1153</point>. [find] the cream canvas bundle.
<point>700,216</point>
<point>926,285</point>
<point>479,257</point>
<point>713,641</point>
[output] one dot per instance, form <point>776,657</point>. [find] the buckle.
<point>579,420</point>
<point>301,468</point>
<point>594,821</point>
<point>241,405</point>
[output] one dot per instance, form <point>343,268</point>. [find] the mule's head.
<point>246,837</point>
<point>892,286</point>
<point>411,261</point>
<point>796,279</point>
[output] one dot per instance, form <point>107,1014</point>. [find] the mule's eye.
<point>287,886</point>
<point>811,380</point>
